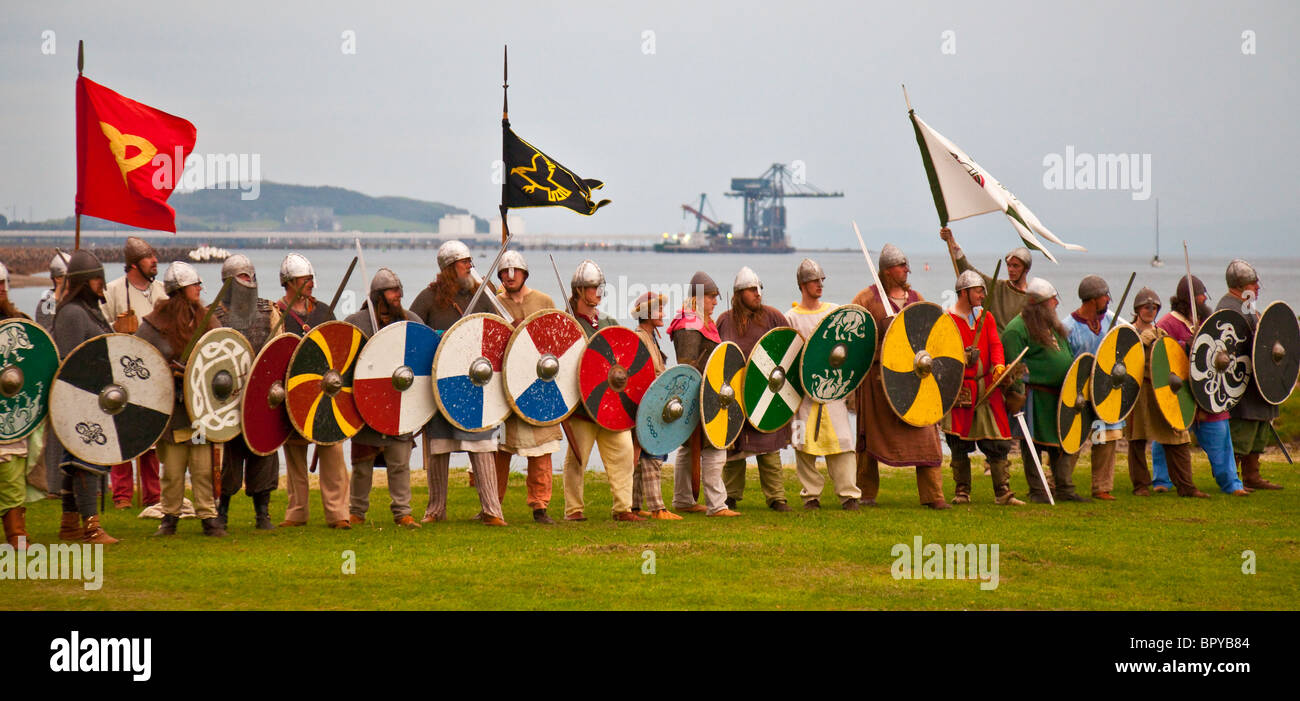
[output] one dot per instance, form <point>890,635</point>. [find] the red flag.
<point>129,158</point>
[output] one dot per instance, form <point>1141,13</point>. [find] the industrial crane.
<point>716,228</point>
<point>764,198</point>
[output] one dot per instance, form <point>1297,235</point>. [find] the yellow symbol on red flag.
<point>118,143</point>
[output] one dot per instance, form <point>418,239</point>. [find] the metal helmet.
<point>295,265</point>
<point>646,303</point>
<point>702,284</point>
<point>1146,296</point>
<point>1021,254</point>
<point>1092,287</point>
<point>136,250</point>
<point>1240,273</point>
<point>512,259</point>
<point>808,271</point>
<point>237,265</point>
<point>746,279</point>
<point>385,279</point>
<point>83,265</point>
<point>450,252</point>
<point>1039,290</point>
<point>1198,289</point>
<point>59,265</point>
<point>890,256</point>
<point>4,274</point>
<point>587,274</point>
<point>179,274</point>
<point>967,280</point>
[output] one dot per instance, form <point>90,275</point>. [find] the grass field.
<point>1162,552</point>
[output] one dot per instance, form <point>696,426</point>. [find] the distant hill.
<point>281,207</point>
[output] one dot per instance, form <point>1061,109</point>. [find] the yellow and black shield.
<point>1117,374</point>
<point>720,393</point>
<point>922,361</point>
<point>1074,406</point>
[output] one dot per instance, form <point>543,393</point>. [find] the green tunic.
<point>1047,369</point>
<point>1002,299</point>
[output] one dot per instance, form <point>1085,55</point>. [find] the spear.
<point>884,298</point>
<point>1123,298</point>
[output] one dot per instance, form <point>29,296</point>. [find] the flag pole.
<point>1191,289</point>
<point>505,124</point>
<point>81,65</point>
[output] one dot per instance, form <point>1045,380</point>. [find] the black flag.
<point>534,179</point>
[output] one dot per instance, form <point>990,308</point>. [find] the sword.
<point>884,298</point>
<point>998,380</point>
<point>342,285</point>
<point>203,325</point>
<point>486,284</point>
<point>1123,298</point>
<point>1280,444</point>
<point>1033,450</point>
<point>560,282</point>
<point>370,303</point>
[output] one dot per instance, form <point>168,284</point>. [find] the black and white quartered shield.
<point>669,410</point>
<point>28,361</point>
<point>923,363</point>
<point>1275,354</point>
<point>837,354</point>
<point>1074,405</point>
<point>1117,374</point>
<point>112,399</point>
<point>1220,361</point>
<point>214,382</point>
<point>772,389</point>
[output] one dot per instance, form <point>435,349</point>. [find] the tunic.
<point>836,434</point>
<point>881,434</point>
<point>1179,328</point>
<point>990,419</point>
<point>753,441</point>
<point>1083,339</point>
<point>521,437</point>
<point>1147,423</point>
<point>1047,370</point>
<point>120,295</point>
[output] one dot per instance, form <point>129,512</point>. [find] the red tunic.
<point>978,377</point>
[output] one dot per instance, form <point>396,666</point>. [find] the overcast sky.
<point>665,100</point>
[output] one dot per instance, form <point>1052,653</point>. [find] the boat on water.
<point>1155,261</point>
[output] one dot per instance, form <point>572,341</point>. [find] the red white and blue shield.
<point>393,384</point>
<point>467,372</point>
<point>541,367</point>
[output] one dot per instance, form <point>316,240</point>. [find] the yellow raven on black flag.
<point>534,179</point>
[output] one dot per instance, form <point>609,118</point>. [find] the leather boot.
<point>223,510</point>
<point>94,534</point>
<point>168,525</point>
<point>1250,473</point>
<point>15,524</point>
<point>212,526</point>
<point>1001,472</point>
<point>961,475</point>
<point>70,526</point>
<point>262,505</point>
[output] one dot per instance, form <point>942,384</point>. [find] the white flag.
<point>961,189</point>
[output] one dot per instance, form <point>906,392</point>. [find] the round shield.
<point>261,409</point>
<point>541,367</point>
<point>1074,406</point>
<point>1220,361</point>
<point>720,391</point>
<point>1171,383</point>
<point>393,383</point>
<point>214,382</point>
<point>28,361</point>
<point>467,372</point>
<point>1117,374</point>
<point>837,354</point>
<point>1275,354</point>
<point>669,410</point>
<point>923,363</point>
<point>613,374</point>
<point>318,387</point>
<point>772,390</point>
<point>112,399</point>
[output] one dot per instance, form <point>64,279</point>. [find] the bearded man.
<point>882,436</point>
<point>743,324</point>
<point>440,305</point>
